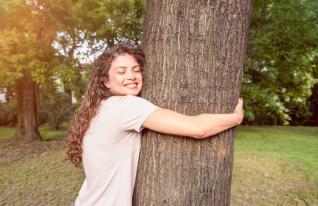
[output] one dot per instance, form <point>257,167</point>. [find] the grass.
<point>6,132</point>
<point>275,166</point>
<point>272,166</point>
<point>296,145</point>
<point>37,175</point>
<point>45,132</point>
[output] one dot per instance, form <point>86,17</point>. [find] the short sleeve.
<point>134,112</point>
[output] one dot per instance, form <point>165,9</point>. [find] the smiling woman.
<point>106,129</point>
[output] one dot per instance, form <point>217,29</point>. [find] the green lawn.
<point>45,132</point>
<point>272,166</point>
<point>275,166</point>
<point>6,132</point>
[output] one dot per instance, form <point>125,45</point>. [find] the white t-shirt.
<point>111,148</point>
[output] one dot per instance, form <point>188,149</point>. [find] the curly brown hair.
<point>95,93</point>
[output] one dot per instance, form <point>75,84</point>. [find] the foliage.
<point>280,61</point>
<point>54,107</point>
<point>80,81</point>
<point>26,33</point>
<point>8,114</point>
<point>29,30</point>
<point>111,21</point>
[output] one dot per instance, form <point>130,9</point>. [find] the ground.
<point>272,166</point>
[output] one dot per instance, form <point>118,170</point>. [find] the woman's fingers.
<point>239,106</point>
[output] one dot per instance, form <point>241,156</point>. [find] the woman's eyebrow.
<point>124,67</point>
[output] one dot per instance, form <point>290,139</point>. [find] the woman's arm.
<point>200,126</point>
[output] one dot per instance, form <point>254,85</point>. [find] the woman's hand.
<point>239,111</point>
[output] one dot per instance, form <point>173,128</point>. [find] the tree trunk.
<point>27,106</point>
<point>195,53</point>
<point>68,93</point>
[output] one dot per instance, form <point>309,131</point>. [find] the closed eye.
<point>137,69</point>
<point>120,70</point>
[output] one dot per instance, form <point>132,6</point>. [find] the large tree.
<point>195,54</point>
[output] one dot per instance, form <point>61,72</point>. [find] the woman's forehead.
<point>124,60</point>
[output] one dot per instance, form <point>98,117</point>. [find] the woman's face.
<point>124,76</point>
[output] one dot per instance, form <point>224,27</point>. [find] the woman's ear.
<point>106,83</point>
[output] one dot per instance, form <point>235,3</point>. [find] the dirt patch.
<point>19,150</point>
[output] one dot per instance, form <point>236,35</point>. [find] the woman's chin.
<point>133,92</point>
<point>126,91</point>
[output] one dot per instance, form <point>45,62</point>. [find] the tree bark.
<point>195,53</point>
<point>28,107</point>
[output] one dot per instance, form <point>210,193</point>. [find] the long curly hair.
<point>95,93</point>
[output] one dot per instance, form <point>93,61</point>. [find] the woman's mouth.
<point>131,86</point>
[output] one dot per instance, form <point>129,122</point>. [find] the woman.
<point>105,130</point>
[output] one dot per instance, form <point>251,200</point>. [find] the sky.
<point>85,52</point>
<point>2,97</point>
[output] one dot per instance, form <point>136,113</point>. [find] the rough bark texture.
<point>27,105</point>
<point>195,53</point>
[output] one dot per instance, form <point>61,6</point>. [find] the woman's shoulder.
<point>130,102</point>
<point>135,100</point>
<point>128,105</point>
<point>124,100</point>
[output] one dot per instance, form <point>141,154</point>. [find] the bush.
<point>55,108</point>
<point>8,113</point>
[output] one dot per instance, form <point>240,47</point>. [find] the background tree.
<point>195,54</point>
<point>278,73</point>
<point>28,58</point>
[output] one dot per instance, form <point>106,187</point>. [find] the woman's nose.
<point>130,74</point>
